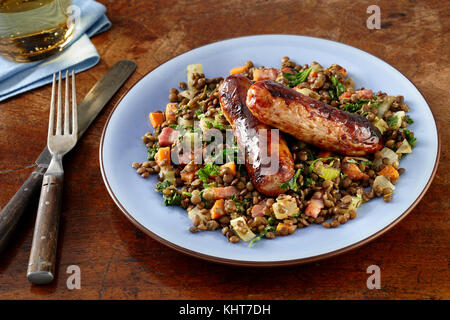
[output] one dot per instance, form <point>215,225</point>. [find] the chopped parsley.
<point>208,170</point>
<point>355,107</point>
<point>336,89</point>
<point>391,122</point>
<point>172,199</point>
<point>410,138</point>
<point>242,205</point>
<point>230,154</point>
<point>261,234</point>
<point>215,124</point>
<point>297,78</point>
<point>352,161</point>
<point>367,163</point>
<point>160,186</point>
<point>176,126</point>
<point>151,152</point>
<point>408,120</point>
<point>308,181</point>
<point>200,114</point>
<point>292,184</point>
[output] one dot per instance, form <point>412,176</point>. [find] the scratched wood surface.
<point>118,261</point>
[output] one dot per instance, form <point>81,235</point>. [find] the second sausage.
<point>247,131</point>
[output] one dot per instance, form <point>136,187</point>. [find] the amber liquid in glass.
<point>32,30</point>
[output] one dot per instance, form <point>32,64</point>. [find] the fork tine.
<point>66,106</point>
<point>51,120</point>
<point>59,108</point>
<point>74,107</point>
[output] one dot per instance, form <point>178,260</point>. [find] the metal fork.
<point>41,265</point>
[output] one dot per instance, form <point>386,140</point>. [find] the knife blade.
<point>88,110</point>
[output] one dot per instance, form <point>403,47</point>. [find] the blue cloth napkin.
<point>16,78</point>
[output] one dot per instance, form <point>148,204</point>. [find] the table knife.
<point>88,109</point>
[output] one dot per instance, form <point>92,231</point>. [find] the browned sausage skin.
<point>311,120</point>
<point>232,95</point>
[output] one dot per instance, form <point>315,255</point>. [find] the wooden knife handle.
<point>41,266</point>
<point>15,208</point>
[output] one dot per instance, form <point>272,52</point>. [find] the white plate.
<point>121,145</point>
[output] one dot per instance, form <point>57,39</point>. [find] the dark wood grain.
<point>12,212</point>
<point>41,265</point>
<point>118,261</point>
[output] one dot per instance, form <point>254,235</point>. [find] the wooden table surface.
<point>118,261</point>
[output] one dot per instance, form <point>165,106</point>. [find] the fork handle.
<point>41,265</point>
<point>16,207</point>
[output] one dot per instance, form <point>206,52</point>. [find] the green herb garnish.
<point>151,152</point>
<point>408,120</point>
<point>292,184</point>
<point>336,89</point>
<point>174,199</point>
<point>200,114</point>
<point>410,137</point>
<point>297,78</point>
<point>355,107</point>
<point>160,186</point>
<point>208,170</point>
<point>308,181</point>
<point>352,161</point>
<point>367,163</point>
<point>215,124</point>
<point>261,235</point>
<point>392,121</point>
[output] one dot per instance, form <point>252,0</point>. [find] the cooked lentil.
<point>188,186</point>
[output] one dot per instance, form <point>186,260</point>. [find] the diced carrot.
<point>240,69</point>
<point>161,155</point>
<point>324,154</point>
<point>230,165</point>
<point>313,74</point>
<point>391,172</point>
<point>218,209</point>
<point>280,226</point>
<point>171,113</point>
<point>188,176</point>
<point>353,172</point>
<point>156,118</point>
<point>224,192</point>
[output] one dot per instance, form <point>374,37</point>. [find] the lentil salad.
<point>326,189</point>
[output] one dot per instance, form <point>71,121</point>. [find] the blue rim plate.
<point>121,145</point>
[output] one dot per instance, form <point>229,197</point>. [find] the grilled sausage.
<point>247,130</point>
<point>311,120</point>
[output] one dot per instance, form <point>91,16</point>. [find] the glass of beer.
<point>32,30</point>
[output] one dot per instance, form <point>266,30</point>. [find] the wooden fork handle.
<point>16,207</point>
<point>41,265</point>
